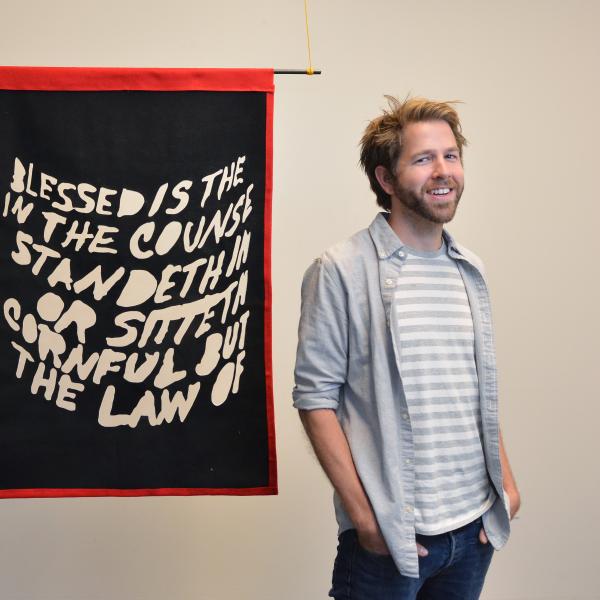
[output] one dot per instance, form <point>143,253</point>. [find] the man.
<point>396,377</point>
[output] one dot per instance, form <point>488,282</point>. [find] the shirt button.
<point>389,282</point>
<point>407,461</point>
<point>401,254</point>
<point>382,255</point>
<point>408,508</point>
<point>405,416</point>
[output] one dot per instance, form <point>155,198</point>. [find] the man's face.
<point>429,176</point>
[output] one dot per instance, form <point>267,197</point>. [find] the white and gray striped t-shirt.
<point>437,366</point>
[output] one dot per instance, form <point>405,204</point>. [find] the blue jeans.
<point>454,569</point>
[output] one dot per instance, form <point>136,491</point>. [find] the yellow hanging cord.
<point>310,70</point>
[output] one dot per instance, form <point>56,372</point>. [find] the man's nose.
<point>440,168</point>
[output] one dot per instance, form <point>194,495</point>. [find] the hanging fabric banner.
<point>135,241</point>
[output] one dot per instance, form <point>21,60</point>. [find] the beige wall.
<point>528,74</point>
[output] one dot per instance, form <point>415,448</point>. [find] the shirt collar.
<point>387,242</point>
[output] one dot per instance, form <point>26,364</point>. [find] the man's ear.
<point>384,179</point>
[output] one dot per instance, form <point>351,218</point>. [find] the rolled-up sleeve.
<point>322,355</point>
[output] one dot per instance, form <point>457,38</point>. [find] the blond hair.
<point>381,143</point>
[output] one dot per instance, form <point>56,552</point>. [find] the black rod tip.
<point>295,72</point>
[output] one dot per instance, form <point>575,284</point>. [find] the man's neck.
<point>415,231</point>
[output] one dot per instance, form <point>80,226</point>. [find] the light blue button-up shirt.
<point>348,361</point>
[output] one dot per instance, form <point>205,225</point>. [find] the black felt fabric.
<point>136,141</point>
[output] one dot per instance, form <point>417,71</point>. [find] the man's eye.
<point>421,160</point>
<point>452,156</point>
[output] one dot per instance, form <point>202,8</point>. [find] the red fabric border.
<point>98,492</point>
<point>107,79</point>
<point>268,300</point>
<point>147,79</point>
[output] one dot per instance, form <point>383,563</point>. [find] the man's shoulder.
<point>355,250</point>
<point>344,262</point>
<point>473,258</point>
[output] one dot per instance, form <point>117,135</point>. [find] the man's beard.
<point>416,203</point>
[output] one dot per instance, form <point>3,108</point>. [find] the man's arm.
<point>320,373</point>
<point>332,450</point>
<point>508,481</point>
<point>510,487</point>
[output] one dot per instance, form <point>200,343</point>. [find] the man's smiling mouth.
<point>441,191</point>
